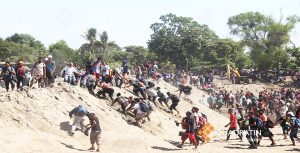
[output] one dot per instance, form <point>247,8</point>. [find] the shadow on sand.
<point>65,126</point>
<point>165,149</point>
<point>71,147</point>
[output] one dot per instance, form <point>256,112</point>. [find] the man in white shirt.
<point>68,72</point>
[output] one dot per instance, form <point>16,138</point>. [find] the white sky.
<point>126,21</point>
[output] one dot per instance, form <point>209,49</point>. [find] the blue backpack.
<point>259,123</point>
<point>81,110</point>
<point>296,122</point>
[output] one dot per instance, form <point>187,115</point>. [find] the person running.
<point>253,128</point>
<point>294,125</point>
<point>199,122</point>
<point>142,109</point>
<point>78,112</point>
<point>188,126</point>
<point>21,72</point>
<point>106,89</point>
<point>38,73</point>
<point>232,125</point>
<point>285,125</point>
<point>265,131</point>
<point>123,101</point>
<point>8,75</point>
<point>96,131</point>
<point>162,97</point>
<point>175,100</point>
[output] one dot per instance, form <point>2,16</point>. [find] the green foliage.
<point>13,49</point>
<point>178,39</point>
<point>62,54</point>
<point>265,37</point>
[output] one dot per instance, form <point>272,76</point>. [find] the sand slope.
<point>37,121</point>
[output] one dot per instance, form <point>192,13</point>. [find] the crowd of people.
<point>257,114</point>
<point>20,75</point>
<point>247,112</point>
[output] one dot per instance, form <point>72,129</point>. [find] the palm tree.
<point>104,43</point>
<point>90,36</point>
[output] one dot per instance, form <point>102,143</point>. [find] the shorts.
<point>190,136</point>
<point>95,137</point>
<point>141,115</point>
<point>173,106</point>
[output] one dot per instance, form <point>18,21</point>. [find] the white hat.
<point>291,113</point>
<point>49,56</point>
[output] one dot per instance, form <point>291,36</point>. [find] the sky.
<point>126,21</point>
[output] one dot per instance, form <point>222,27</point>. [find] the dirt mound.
<point>36,120</point>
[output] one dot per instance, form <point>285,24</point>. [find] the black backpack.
<point>145,107</point>
<point>270,123</point>
<point>151,84</point>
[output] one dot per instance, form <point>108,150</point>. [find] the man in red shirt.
<point>232,125</point>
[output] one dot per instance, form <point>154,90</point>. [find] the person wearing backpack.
<point>265,131</point>
<point>294,125</point>
<point>21,72</point>
<point>90,80</point>
<point>199,122</point>
<point>8,75</point>
<point>78,112</point>
<point>188,125</point>
<point>284,125</point>
<point>142,109</point>
<point>175,100</point>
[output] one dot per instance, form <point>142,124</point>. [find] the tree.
<point>225,51</point>
<point>179,39</point>
<point>138,54</point>
<point>28,40</point>
<point>10,51</point>
<point>104,44</point>
<point>62,53</point>
<point>265,37</point>
<point>91,36</point>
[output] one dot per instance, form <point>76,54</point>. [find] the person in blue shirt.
<point>9,76</point>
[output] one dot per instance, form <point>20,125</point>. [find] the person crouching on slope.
<point>95,132</point>
<point>79,113</point>
<point>106,89</point>
<point>188,125</point>
<point>142,109</point>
